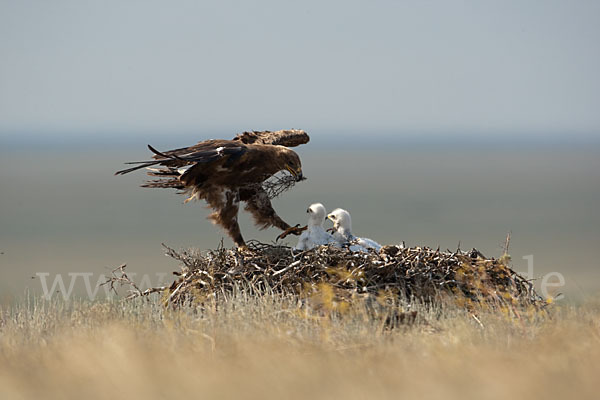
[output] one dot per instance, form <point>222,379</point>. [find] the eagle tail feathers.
<point>141,164</point>
<point>163,172</point>
<point>163,155</point>
<point>171,183</point>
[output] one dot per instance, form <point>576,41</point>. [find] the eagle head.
<point>316,213</point>
<point>341,220</point>
<point>291,162</point>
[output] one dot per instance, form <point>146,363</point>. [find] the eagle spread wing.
<point>225,172</point>
<point>287,138</point>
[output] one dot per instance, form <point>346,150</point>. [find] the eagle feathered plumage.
<point>226,172</point>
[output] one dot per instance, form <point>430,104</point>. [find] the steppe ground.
<point>271,347</point>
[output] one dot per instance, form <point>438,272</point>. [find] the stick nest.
<point>418,273</point>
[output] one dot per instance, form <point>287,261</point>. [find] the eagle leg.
<point>226,205</point>
<point>259,205</point>
<point>294,230</point>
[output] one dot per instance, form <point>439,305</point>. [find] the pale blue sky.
<point>82,67</point>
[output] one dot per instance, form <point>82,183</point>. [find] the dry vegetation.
<point>271,347</point>
<point>298,344</point>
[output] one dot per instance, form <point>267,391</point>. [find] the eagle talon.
<point>294,230</point>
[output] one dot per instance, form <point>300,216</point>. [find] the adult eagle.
<point>225,172</point>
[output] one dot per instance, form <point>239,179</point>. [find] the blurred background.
<point>433,123</point>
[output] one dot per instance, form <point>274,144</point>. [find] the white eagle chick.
<point>342,225</point>
<point>315,235</point>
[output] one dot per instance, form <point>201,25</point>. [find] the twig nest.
<point>409,273</point>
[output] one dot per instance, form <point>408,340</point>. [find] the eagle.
<point>227,172</point>
<point>342,232</point>
<point>315,235</point>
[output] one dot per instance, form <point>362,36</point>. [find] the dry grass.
<point>270,347</point>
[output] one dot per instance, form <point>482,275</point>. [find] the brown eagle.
<point>225,172</point>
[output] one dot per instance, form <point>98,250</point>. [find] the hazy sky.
<point>445,66</point>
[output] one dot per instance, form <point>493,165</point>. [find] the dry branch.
<point>119,278</point>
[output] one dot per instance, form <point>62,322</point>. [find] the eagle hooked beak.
<point>296,173</point>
